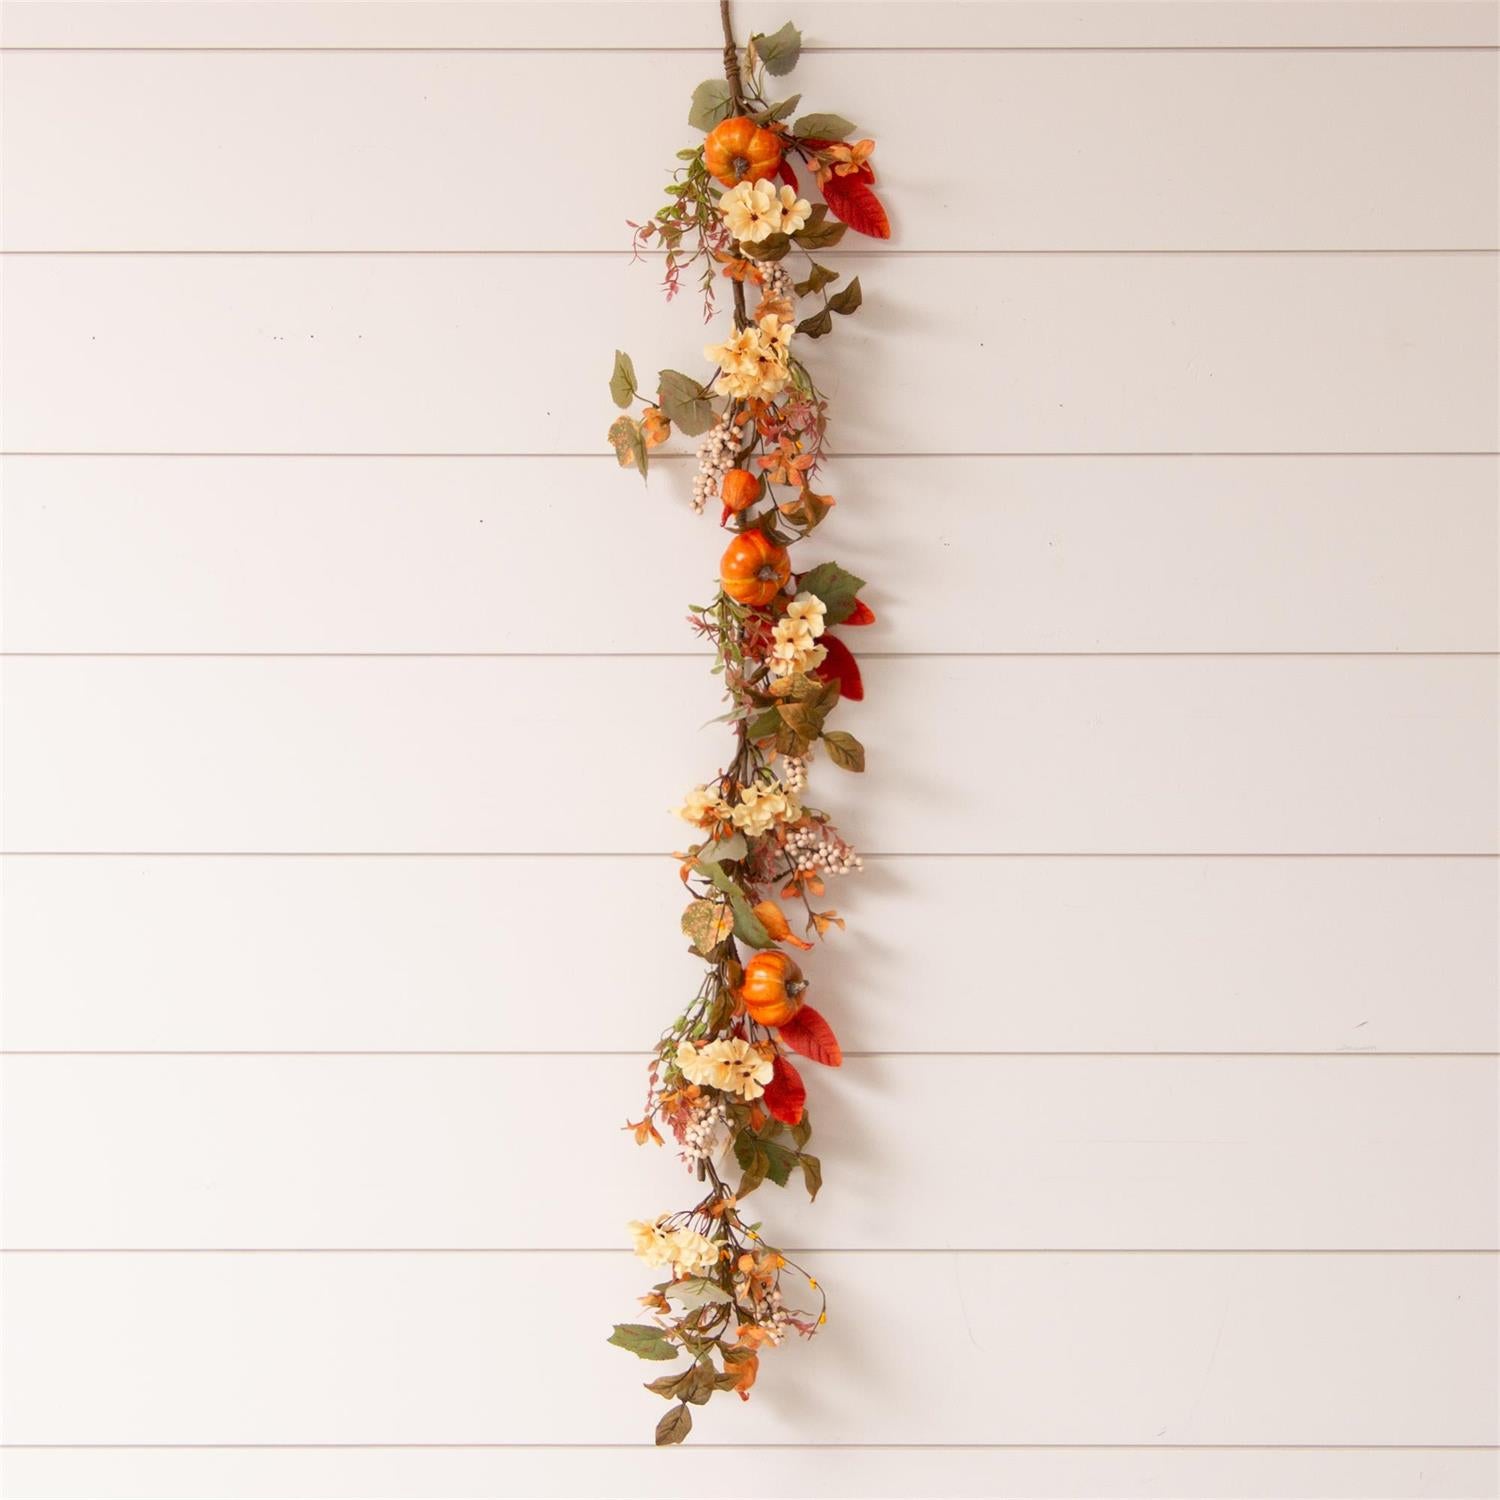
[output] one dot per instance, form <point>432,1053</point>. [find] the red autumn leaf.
<point>785,1094</point>
<point>861,614</point>
<point>853,200</point>
<point>787,175</point>
<point>808,1033</point>
<point>840,666</point>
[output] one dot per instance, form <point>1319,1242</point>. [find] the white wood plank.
<point>464,1152</point>
<point>1101,150</point>
<point>969,754</point>
<point>912,25</point>
<point>374,354</point>
<point>450,555</point>
<point>1132,955</point>
<point>926,1349</point>
<point>642,1473</point>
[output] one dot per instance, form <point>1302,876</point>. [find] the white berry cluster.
<point>716,454</point>
<point>770,1315</point>
<point>815,847</point>
<point>700,1134</point>
<point>775,280</point>
<point>794,772</point>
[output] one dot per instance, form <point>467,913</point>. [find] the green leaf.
<point>806,718</point>
<point>674,1426</point>
<point>820,232</point>
<point>779,51</point>
<point>711,103</point>
<point>777,111</point>
<point>700,1384</point>
<point>764,724</point>
<point>844,750</point>
<point>822,128</point>
<point>817,278</point>
<point>748,928</point>
<point>802,1131</point>
<point>734,847</point>
<point>817,325</point>
<point>779,1162</point>
<point>773,247</point>
<point>696,1384</point>
<point>812,1174</point>
<point>751,1156</point>
<point>696,1290</point>
<point>687,404</point>
<point>836,588</point>
<point>707,923</point>
<point>670,1386</point>
<point>629,443</point>
<point>847,300</point>
<point>622,382</point>
<point>643,1339</point>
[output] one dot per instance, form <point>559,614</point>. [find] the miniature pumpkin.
<point>772,987</point>
<point>754,569</point>
<point>738,150</point>
<point>739,489</point>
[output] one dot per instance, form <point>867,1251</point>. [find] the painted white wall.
<point>347,688</point>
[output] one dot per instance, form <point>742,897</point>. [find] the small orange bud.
<point>739,490</point>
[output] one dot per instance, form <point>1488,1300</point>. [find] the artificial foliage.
<point>743,213</point>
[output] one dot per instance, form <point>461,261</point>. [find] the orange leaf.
<point>745,1370</point>
<point>808,1033</point>
<point>773,919</point>
<point>840,666</point>
<point>853,200</point>
<point>644,1131</point>
<point>861,614</point>
<point>785,1094</point>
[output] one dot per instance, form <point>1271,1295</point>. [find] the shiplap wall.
<point>346,687</point>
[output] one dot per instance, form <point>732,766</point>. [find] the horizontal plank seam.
<point>1393,655</point>
<point>530,854</point>
<point>263,1052</point>
<point>620,1252</point>
<point>894,253</point>
<point>1397,655</point>
<point>956,50</point>
<point>833,457</point>
<point>761,1446</point>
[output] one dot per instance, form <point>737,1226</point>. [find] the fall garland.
<point>721,1081</point>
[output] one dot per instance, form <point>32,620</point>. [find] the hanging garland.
<point>721,1080</point>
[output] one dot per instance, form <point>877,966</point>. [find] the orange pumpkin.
<point>772,988</point>
<point>738,150</point>
<point>739,489</point>
<point>754,569</point>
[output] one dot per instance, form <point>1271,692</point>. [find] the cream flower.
<point>702,807</point>
<point>694,1254</point>
<point>794,210</point>
<point>651,1242</point>
<point>753,361</point>
<point>702,1068</point>
<point>794,637</point>
<point>745,1069</point>
<point>810,608</point>
<point>752,210</point>
<point>762,804</point>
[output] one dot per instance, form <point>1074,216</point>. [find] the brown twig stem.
<point>737,98</point>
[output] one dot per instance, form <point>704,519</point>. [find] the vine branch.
<point>737,98</point>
